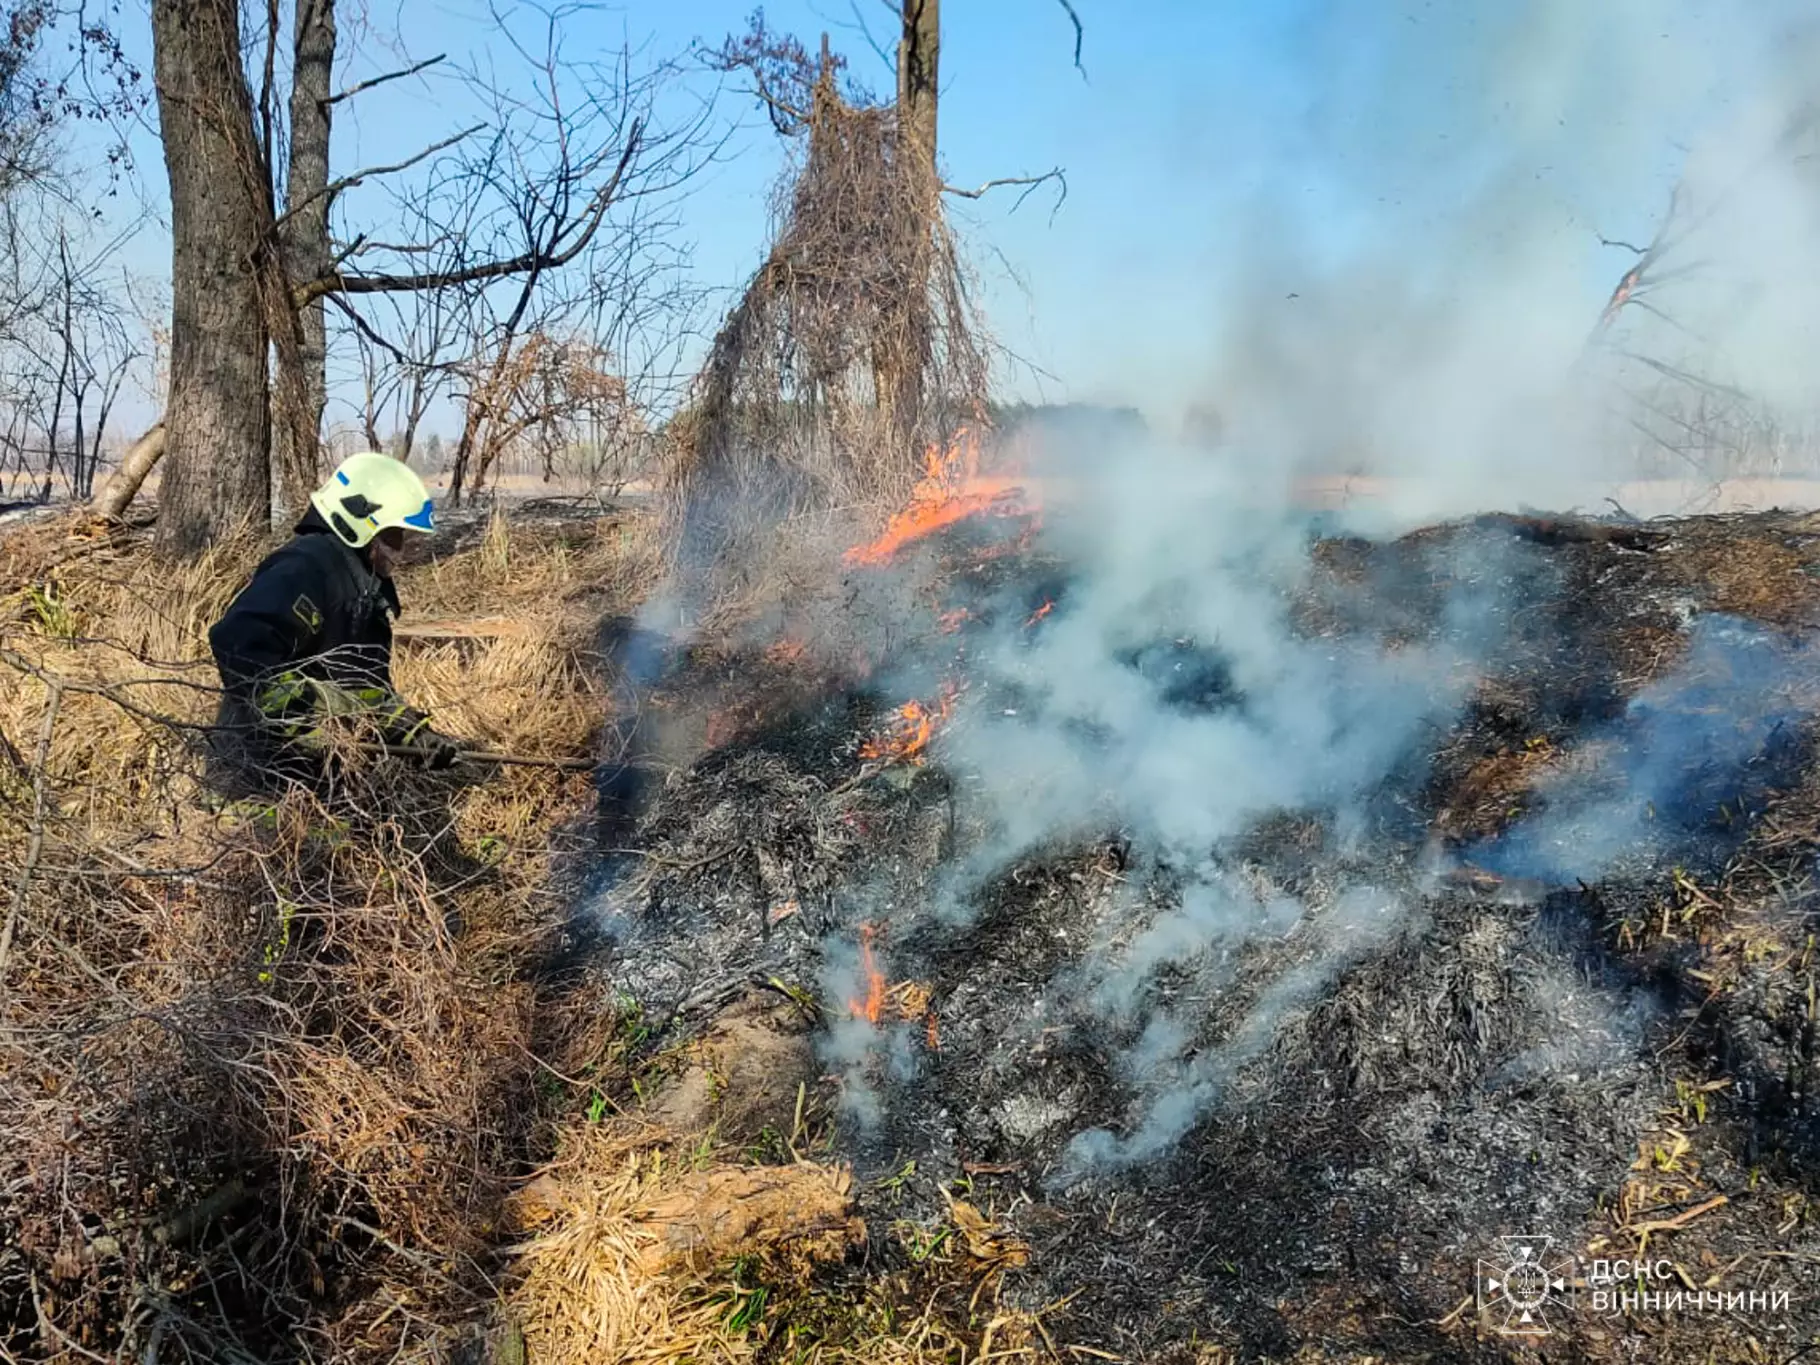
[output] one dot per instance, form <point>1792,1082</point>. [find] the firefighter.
<point>308,642</point>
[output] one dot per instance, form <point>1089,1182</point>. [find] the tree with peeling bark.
<point>251,281</point>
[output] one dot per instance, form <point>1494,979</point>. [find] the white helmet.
<point>370,493</point>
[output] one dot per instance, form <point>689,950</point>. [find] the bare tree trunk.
<point>470,446</point>
<point>918,71</point>
<point>918,74</point>
<point>303,385</point>
<point>486,410</point>
<point>137,463</point>
<point>217,419</point>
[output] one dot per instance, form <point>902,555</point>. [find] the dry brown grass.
<point>303,1037</point>
<point>601,1280</point>
<point>641,1248</point>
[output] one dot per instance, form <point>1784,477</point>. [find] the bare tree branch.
<point>359,86</point>
<point>1029,182</point>
<point>865,30</point>
<point>775,64</point>
<point>268,85</point>
<point>1079,35</point>
<point>542,257</point>
<point>366,329</point>
<point>1686,377</point>
<point>360,246</point>
<point>347,182</point>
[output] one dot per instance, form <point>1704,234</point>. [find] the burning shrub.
<point>853,350</point>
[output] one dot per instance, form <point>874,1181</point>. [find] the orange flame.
<point>1040,613</point>
<point>951,489</point>
<point>908,1001</point>
<point>915,725</point>
<point>787,651</point>
<point>874,1005</point>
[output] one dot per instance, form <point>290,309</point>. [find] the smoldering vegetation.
<point>1271,917</point>
<point>1276,920</point>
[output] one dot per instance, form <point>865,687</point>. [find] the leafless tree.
<point>64,352</point>
<point>857,343</point>
<point>407,358</point>
<point>520,196</point>
<point>67,343</point>
<point>86,364</point>
<point>1671,386</point>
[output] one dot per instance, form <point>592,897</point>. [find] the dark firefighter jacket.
<point>314,612</point>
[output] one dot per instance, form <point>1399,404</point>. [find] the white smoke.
<point>1065,731</point>
<point>1181,1093</point>
<point>1685,760</point>
<point>1429,317</point>
<point>1474,158</point>
<point>1445,339</point>
<point>1169,552</point>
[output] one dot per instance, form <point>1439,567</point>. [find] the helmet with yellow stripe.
<point>369,493</point>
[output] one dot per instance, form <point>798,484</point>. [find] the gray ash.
<point>1281,1079</point>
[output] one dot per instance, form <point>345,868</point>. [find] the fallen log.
<point>114,496</point>
<point>716,1214</point>
<point>1565,531</point>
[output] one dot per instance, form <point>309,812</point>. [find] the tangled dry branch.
<point>854,347</point>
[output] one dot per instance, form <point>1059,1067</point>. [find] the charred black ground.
<point>1578,1056</point>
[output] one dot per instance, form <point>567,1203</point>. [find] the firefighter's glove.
<point>409,731</point>
<point>436,751</point>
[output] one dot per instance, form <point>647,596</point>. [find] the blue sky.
<point>1204,139</point>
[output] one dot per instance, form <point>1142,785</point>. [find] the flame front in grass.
<point>787,652</point>
<point>951,489</point>
<point>1040,613</point>
<point>951,621</point>
<point>872,1008</point>
<point>911,729</point>
<point>907,1002</point>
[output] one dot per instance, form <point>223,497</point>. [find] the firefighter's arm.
<point>400,725</point>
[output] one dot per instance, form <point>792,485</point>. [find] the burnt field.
<point>1263,941</point>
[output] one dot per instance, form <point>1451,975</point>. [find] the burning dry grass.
<point>285,1078</point>
<point>1498,1056</point>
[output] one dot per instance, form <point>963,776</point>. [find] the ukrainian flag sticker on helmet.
<point>421,518</point>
